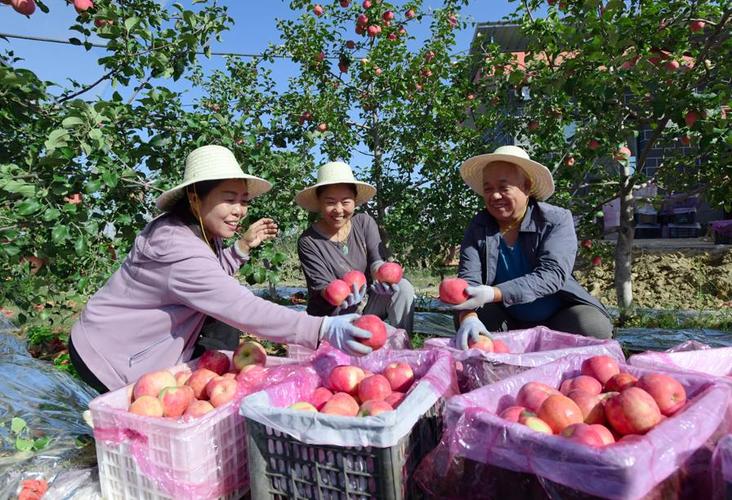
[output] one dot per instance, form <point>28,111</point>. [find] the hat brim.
<point>256,186</point>
<point>308,199</point>
<point>542,182</point>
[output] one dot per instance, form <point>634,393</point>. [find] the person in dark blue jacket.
<point>518,253</point>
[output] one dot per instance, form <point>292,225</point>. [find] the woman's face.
<point>505,191</point>
<point>336,203</point>
<point>223,208</point>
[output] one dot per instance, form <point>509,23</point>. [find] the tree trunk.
<point>624,246</point>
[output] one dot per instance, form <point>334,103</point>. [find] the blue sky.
<point>254,28</point>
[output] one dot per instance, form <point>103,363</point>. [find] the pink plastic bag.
<point>702,360</point>
<point>722,468</point>
<point>484,456</point>
<point>436,380</point>
<point>528,349</point>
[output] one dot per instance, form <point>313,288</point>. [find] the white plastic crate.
<point>145,458</point>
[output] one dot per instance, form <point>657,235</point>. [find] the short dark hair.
<point>182,208</point>
<point>319,190</point>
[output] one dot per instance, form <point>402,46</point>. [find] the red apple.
<point>251,374</point>
<point>215,361</point>
<point>586,244</point>
<point>182,377</point>
<point>692,117</point>
<point>604,433</point>
<point>322,127</point>
<point>390,272</point>
<point>351,44</point>
<point>303,406</point>
<point>500,347</point>
<point>620,382</point>
<point>362,20</point>
<point>306,116</point>
<point>452,20</point>
<point>594,144</point>
<point>73,199</point>
<point>582,382</point>
<point>596,260</point>
<point>318,10</point>
<point>669,394</point>
<point>395,398</point>
<point>374,30</point>
<point>345,3</point>
<point>583,433</point>
<point>375,387</point>
<point>341,404</point>
<point>147,406</point>
<point>152,383</point>
<point>400,376</point>
<point>685,140</point>
<point>558,412</point>
<point>533,394</point>
<point>409,14</point>
<point>672,65</point>
<point>569,161</point>
<point>249,353</point>
<point>513,413</point>
<point>622,153</point>
<point>591,405</point>
<point>222,392</point>
<point>372,323</point>
<point>374,407</point>
<point>388,15</point>
<point>320,396</point>
<point>198,408</point>
<point>345,378</point>
<point>600,367</point>
<point>175,400</point>
<point>484,343</point>
<point>452,291</point>
<point>82,6</point>
<point>198,380</point>
<point>533,125</point>
<point>633,411</point>
<point>336,292</point>
<point>366,4</point>
<point>696,25</point>
<point>25,7</point>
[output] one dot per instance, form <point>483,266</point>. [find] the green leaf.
<point>23,444</point>
<point>80,246</point>
<point>17,425</point>
<point>20,187</point>
<point>51,214</point>
<point>93,186</point>
<point>40,443</point>
<point>27,207</point>
<point>110,179</point>
<point>131,22</point>
<point>59,234</point>
<point>74,41</point>
<point>57,139</point>
<point>11,250</point>
<point>71,121</point>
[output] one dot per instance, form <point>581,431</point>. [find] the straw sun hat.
<point>209,163</point>
<point>335,172</point>
<point>542,183</point>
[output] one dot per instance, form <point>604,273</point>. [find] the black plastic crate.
<point>646,231</point>
<point>684,231</point>
<point>683,216</point>
<point>642,218</point>
<point>282,467</point>
<point>722,239</point>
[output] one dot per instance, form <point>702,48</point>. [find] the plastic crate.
<point>281,467</point>
<point>684,231</point>
<point>145,458</point>
<point>647,231</point>
<point>683,216</point>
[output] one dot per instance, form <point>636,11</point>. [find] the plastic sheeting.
<point>436,378</point>
<point>528,348</point>
<point>698,358</point>
<point>484,456</point>
<point>51,403</point>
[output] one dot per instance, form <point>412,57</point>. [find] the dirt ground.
<point>666,279</point>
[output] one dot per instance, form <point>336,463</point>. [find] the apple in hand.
<point>390,272</point>
<point>372,323</point>
<point>452,291</point>
<point>336,292</point>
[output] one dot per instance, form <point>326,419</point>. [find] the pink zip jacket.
<point>148,315</point>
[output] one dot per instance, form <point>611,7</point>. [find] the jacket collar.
<point>528,225</point>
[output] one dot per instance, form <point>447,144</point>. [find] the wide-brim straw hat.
<point>334,172</point>
<point>209,163</point>
<point>542,183</point>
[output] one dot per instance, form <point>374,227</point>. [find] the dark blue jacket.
<point>548,240</point>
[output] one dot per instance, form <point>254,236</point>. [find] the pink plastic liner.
<point>629,469</point>
<point>529,348</point>
<point>701,359</point>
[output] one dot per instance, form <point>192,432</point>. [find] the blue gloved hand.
<point>353,298</point>
<point>340,332</point>
<point>381,288</point>
<point>478,297</point>
<point>470,328</point>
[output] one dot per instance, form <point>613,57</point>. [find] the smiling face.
<point>223,208</point>
<point>336,205</point>
<point>505,191</point>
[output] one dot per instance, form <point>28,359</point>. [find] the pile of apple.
<point>353,391</point>
<point>452,291</point>
<point>600,406</point>
<point>214,383</point>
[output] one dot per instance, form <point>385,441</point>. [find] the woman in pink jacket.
<point>179,278</point>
